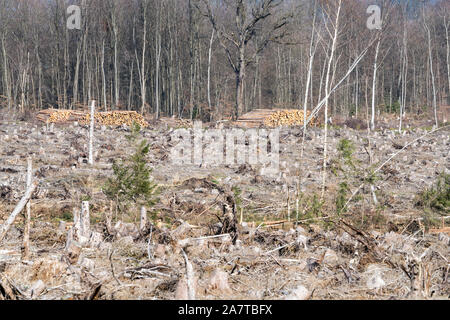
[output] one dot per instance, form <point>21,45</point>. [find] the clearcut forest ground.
<point>397,248</point>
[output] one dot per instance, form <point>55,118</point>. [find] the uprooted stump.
<point>228,222</point>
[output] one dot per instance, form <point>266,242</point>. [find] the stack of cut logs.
<point>112,118</point>
<point>117,118</point>
<point>176,122</point>
<point>288,118</point>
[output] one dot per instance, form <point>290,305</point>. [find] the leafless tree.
<point>250,17</point>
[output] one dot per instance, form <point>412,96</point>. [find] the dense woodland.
<point>214,59</point>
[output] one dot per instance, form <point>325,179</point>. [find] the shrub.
<point>346,149</point>
<point>437,197</point>
<point>341,198</point>
<point>394,108</point>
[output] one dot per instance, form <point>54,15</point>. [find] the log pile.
<point>274,118</point>
<point>117,118</point>
<point>176,122</point>
<point>111,118</point>
<point>288,118</point>
<point>58,116</point>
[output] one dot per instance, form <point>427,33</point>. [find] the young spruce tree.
<point>131,183</point>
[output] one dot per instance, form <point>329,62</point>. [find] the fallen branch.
<point>22,203</point>
<point>212,237</point>
<point>192,241</point>
<point>279,248</point>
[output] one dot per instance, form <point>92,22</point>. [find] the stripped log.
<point>18,209</point>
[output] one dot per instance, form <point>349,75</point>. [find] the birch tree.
<point>430,57</point>
<point>333,33</point>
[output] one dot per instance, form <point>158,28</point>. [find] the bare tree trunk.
<point>357,93</point>
<point>116,58</point>
<point>209,74</point>
<point>403,78</point>
<point>76,76</point>
<point>5,74</point>
<point>312,51</point>
<point>91,134</point>
<point>105,104</point>
<point>240,83</point>
<point>327,88</point>
<point>321,81</point>
<point>23,84</point>
<point>158,62</point>
<point>192,56</point>
<point>26,232</point>
<point>446,25</point>
<point>130,91</point>
<point>430,56</point>
<point>66,67</point>
<point>144,42</point>
<point>39,79</point>
<point>374,85</point>
<point>255,82</point>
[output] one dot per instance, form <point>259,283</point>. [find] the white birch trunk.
<point>312,52</point>
<point>374,84</point>
<point>144,42</point>
<point>209,72</point>
<point>327,94</point>
<point>103,76</point>
<point>433,85</point>
<point>448,53</point>
<point>26,233</point>
<point>158,63</point>
<point>91,134</point>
